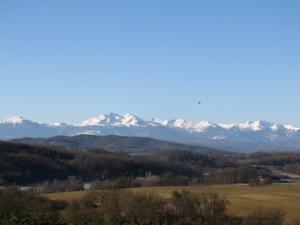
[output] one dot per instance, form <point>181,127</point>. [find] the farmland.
<point>243,198</point>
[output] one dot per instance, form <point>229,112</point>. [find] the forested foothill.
<point>49,169</point>
<point>57,168</point>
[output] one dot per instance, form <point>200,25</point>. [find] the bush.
<point>26,208</point>
<point>191,208</point>
<point>119,207</point>
<point>71,184</point>
<point>265,217</point>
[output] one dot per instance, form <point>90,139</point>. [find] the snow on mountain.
<point>158,121</point>
<point>14,120</point>
<point>291,128</point>
<point>256,125</point>
<point>251,135</point>
<point>129,120</point>
<point>259,125</point>
<point>114,120</point>
<point>227,126</point>
<point>201,126</point>
<point>185,125</point>
<point>102,120</point>
<point>59,124</point>
<point>178,123</point>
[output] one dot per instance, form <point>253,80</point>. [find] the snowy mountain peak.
<point>175,123</point>
<point>185,124</point>
<point>255,135</point>
<point>291,128</point>
<point>15,120</point>
<point>227,126</point>
<point>132,120</point>
<point>257,125</point>
<point>114,120</point>
<point>161,122</point>
<point>59,124</point>
<point>102,120</point>
<point>205,124</point>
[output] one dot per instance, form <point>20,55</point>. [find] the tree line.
<point>127,208</point>
<point>28,164</point>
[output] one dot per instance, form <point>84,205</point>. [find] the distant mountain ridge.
<point>248,136</point>
<point>129,145</point>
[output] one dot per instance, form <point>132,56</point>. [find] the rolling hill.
<point>130,145</point>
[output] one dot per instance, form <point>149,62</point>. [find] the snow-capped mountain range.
<point>248,136</point>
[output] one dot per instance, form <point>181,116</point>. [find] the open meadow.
<point>243,198</point>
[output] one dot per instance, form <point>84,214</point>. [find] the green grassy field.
<point>243,198</point>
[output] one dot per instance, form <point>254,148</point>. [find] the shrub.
<point>264,216</point>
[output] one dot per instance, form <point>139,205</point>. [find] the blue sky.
<point>68,60</point>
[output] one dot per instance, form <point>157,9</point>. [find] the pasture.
<point>243,198</point>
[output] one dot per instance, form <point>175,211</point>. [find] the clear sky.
<point>68,60</point>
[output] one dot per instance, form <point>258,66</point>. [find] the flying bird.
<point>199,103</point>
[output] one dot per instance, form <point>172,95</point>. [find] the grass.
<point>243,198</point>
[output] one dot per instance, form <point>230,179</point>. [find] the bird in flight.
<point>199,103</point>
